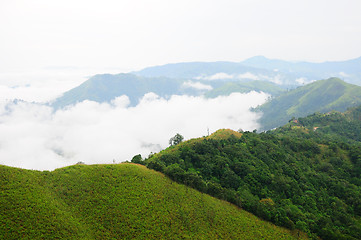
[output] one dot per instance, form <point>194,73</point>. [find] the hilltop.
<point>106,87</point>
<point>320,96</point>
<point>122,201</point>
<point>296,176</point>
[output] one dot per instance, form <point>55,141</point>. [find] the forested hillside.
<point>299,176</point>
<point>320,96</point>
<point>119,201</point>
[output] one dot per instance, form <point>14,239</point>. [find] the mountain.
<point>261,68</point>
<point>197,69</point>
<point>198,78</point>
<point>120,201</point>
<point>105,87</point>
<point>349,71</point>
<point>296,177</point>
<point>320,96</point>
<point>340,126</point>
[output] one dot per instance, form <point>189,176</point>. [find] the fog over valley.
<point>33,136</point>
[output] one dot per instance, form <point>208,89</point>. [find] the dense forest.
<point>305,175</point>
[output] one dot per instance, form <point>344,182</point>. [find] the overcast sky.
<point>125,35</point>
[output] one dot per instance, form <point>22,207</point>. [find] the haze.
<point>118,36</point>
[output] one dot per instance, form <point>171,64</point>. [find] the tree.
<point>176,139</point>
<point>137,159</point>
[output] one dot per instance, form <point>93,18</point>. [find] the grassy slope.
<point>123,201</point>
<point>320,96</point>
<point>30,210</point>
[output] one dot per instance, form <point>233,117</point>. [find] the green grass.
<point>123,201</point>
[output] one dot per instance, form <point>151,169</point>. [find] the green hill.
<point>334,125</point>
<point>123,201</point>
<point>320,96</point>
<point>105,87</point>
<point>244,87</point>
<point>294,177</point>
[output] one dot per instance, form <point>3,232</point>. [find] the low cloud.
<point>197,85</point>
<point>343,74</point>
<point>301,80</point>
<point>248,75</point>
<point>34,137</point>
<point>217,76</point>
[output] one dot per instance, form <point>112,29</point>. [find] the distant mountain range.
<point>105,87</point>
<point>214,71</point>
<point>349,71</point>
<point>292,85</point>
<point>260,68</point>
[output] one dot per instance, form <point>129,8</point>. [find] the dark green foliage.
<point>137,159</point>
<point>120,201</point>
<point>177,139</point>
<point>296,177</point>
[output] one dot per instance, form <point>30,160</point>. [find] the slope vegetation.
<point>295,177</point>
<point>124,201</point>
<point>335,125</point>
<point>321,96</point>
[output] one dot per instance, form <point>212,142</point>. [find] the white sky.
<point>132,34</point>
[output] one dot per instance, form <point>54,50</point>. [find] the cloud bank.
<point>33,136</point>
<point>276,78</point>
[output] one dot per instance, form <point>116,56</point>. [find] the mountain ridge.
<point>319,96</point>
